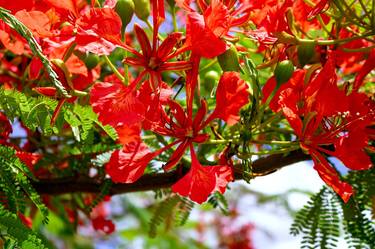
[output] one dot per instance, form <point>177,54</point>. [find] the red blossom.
<point>231,95</point>
<point>321,102</point>
<point>201,181</point>
<point>37,21</point>
<point>128,164</point>
<point>117,104</point>
<point>98,31</point>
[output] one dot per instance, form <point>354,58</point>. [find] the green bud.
<point>283,71</point>
<point>125,9</point>
<point>229,60</point>
<point>91,61</point>
<point>210,79</point>
<point>142,9</point>
<point>305,52</point>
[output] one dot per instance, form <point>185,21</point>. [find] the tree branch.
<point>262,166</point>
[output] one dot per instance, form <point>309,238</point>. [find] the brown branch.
<point>262,166</point>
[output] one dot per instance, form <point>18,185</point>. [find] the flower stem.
<point>114,69</point>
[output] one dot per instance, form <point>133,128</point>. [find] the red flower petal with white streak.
<point>201,181</point>
<point>231,95</point>
<point>350,149</point>
<point>127,165</point>
<point>99,31</point>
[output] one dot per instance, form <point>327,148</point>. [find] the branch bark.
<point>262,166</point>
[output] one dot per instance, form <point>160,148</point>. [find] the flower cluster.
<point>191,89</point>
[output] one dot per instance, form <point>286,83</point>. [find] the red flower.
<point>201,181</point>
<point>154,59</point>
<point>205,33</point>
<point>329,118</point>
<point>98,31</point>
<point>37,21</point>
<point>117,104</point>
<point>102,224</point>
<point>231,95</point>
<point>128,164</point>
<point>330,177</point>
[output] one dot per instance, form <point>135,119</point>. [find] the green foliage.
<point>36,112</point>
<point>16,233</point>
<point>325,215</point>
<point>173,210</point>
<point>15,183</point>
<point>163,211</point>
<point>106,187</point>
<point>217,200</point>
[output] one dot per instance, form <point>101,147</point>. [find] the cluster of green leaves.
<point>36,113</point>
<point>325,216</point>
<point>16,234</point>
<point>16,188</point>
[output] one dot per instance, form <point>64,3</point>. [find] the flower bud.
<point>305,52</point>
<point>283,71</point>
<point>229,60</point>
<point>142,9</point>
<point>125,9</point>
<point>91,61</point>
<point>210,80</point>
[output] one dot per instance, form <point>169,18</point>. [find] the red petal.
<point>231,95</point>
<point>176,156</point>
<point>330,177</point>
<point>217,18</point>
<point>101,224</point>
<point>168,44</point>
<point>350,149</point>
<point>127,165</point>
<point>5,127</point>
<point>365,69</point>
<point>76,66</point>
<point>15,6</point>
<point>35,67</point>
<point>46,91</point>
<point>322,94</point>
<point>129,134</point>
<point>30,159</point>
<point>143,41</point>
<point>99,30</point>
<point>203,41</point>
<point>14,43</point>
<point>36,21</point>
<point>201,181</point>
<point>198,183</point>
<point>65,5</point>
<point>116,104</point>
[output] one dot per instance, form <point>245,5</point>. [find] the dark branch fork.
<point>262,166</point>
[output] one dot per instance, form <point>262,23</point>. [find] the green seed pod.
<point>91,61</point>
<point>283,71</point>
<point>229,60</point>
<point>142,9</point>
<point>305,52</point>
<point>210,80</point>
<point>125,9</point>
